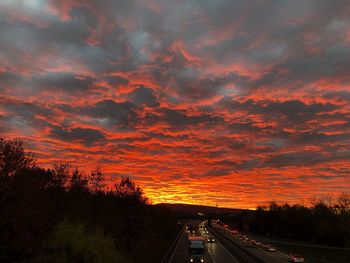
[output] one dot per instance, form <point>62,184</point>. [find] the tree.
<point>72,242</point>
<point>97,180</point>
<point>126,189</point>
<point>78,180</point>
<point>61,173</point>
<point>13,158</point>
<point>344,203</point>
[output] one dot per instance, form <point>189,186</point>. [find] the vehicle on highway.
<point>196,249</point>
<point>296,258</point>
<point>255,243</point>
<point>190,229</point>
<point>211,239</point>
<point>270,248</point>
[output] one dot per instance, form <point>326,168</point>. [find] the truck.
<point>196,249</point>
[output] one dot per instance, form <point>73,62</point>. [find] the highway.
<point>229,247</point>
<point>226,249</point>
<point>247,252</point>
<point>216,252</point>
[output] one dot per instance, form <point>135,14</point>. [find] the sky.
<point>226,102</point>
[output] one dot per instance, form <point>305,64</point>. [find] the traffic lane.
<point>219,253</point>
<point>279,244</point>
<point>231,248</point>
<point>271,257</point>
<point>181,252</point>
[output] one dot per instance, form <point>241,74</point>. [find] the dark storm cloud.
<point>144,96</point>
<point>249,164</point>
<point>244,127</point>
<point>180,118</point>
<point>321,138</point>
<point>64,82</point>
<point>116,81</point>
<point>338,95</point>
<point>20,37</point>
<point>217,172</point>
<point>123,51</point>
<point>8,77</point>
<point>70,33</point>
<point>295,111</point>
<point>296,72</point>
<point>296,159</point>
<point>207,86</point>
<point>23,113</point>
<point>26,109</point>
<point>306,158</point>
<point>121,114</point>
<point>86,136</point>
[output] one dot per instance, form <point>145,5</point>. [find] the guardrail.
<point>172,249</point>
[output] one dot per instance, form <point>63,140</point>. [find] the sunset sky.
<point>198,101</point>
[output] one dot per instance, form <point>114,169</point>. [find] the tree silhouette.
<point>127,189</point>
<point>61,173</point>
<point>60,215</point>
<point>97,180</point>
<point>13,158</point>
<point>78,180</point>
<point>325,222</point>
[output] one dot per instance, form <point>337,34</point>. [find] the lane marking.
<point>177,245</point>
<point>234,259</point>
<point>212,256</point>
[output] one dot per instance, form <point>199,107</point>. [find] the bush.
<point>73,242</point>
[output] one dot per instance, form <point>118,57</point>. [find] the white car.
<point>211,240</point>
<point>270,248</point>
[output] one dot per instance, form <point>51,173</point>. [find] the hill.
<point>187,208</point>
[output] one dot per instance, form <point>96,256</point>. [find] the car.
<point>296,258</point>
<point>255,243</point>
<point>270,248</point>
<point>191,232</point>
<point>211,240</point>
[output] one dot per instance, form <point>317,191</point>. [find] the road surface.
<point>216,252</point>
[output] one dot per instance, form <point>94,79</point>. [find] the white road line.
<point>175,249</point>
<point>212,256</point>
<point>234,259</point>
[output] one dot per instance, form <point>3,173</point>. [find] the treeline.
<point>63,215</point>
<point>323,223</point>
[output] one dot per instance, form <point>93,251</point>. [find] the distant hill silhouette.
<point>187,208</point>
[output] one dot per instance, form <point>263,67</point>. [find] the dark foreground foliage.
<point>62,215</point>
<point>325,223</point>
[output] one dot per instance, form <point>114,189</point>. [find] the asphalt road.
<point>216,252</point>
<point>228,248</point>
<point>258,255</point>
